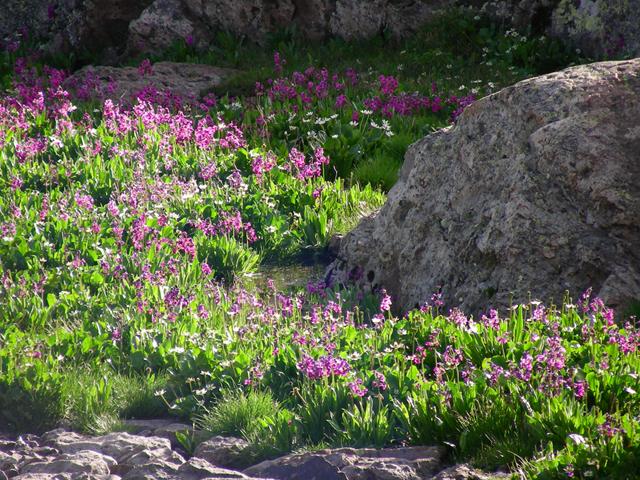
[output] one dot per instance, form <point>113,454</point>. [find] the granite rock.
<point>533,191</point>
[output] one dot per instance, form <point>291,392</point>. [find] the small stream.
<point>287,277</point>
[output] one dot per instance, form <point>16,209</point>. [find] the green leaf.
<point>500,361</point>
<point>87,344</point>
<point>51,300</point>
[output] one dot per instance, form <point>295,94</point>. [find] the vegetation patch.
<point>127,231</point>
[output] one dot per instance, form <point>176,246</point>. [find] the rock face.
<point>535,189</point>
<point>63,455</point>
<point>114,30</point>
<point>166,20</point>
<point>98,26</point>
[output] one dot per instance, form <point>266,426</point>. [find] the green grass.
<point>237,414</point>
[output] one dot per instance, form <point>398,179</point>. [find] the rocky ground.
<point>150,450</point>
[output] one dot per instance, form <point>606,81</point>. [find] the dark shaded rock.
<point>111,31</point>
<point>334,243</point>
<point>534,189</point>
<point>599,28</point>
<point>163,22</point>
<point>77,26</point>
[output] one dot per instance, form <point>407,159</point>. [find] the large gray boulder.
<point>534,189</point>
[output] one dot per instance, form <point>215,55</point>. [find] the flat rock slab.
<point>117,444</point>
<point>185,80</point>
<point>83,461</point>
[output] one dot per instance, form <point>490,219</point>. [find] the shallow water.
<point>286,278</point>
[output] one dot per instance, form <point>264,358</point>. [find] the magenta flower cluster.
<point>325,366</point>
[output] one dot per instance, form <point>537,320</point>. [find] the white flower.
<point>388,133</point>
<point>366,112</point>
<point>159,393</point>
<point>374,125</point>
<point>461,87</point>
<point>353,123</point>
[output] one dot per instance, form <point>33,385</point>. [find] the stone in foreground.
<point>410,463</point>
